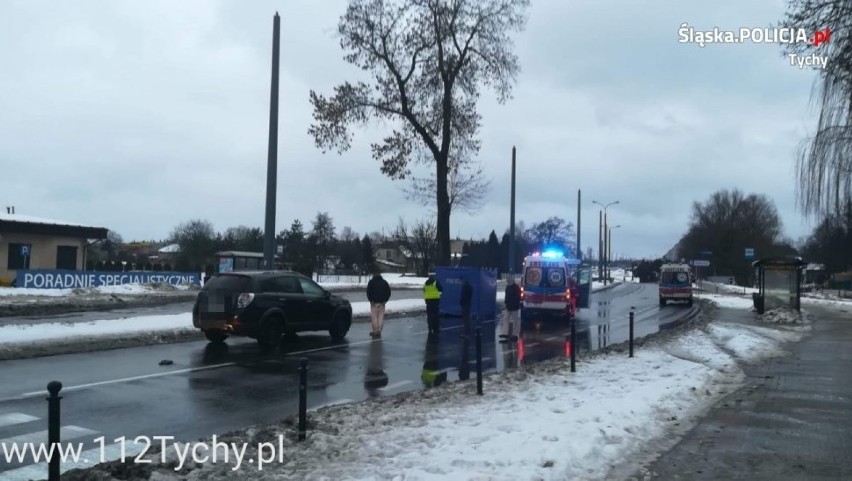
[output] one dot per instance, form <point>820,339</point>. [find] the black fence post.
<point>631,331</point>
<point>479,360</point>
<point>303,398</point>
<point>53,387</point>
<point>574,345</point>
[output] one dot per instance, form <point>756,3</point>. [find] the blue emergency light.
<point>552,254</point>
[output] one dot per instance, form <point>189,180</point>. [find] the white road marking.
<point>10,419</point>
<point>395,385</point>
<point>65,433</point>
<point>128,379</point>
<point>87,459</point>
<point>194,369</point>
<point>473,361</point>
<point>332,403</point>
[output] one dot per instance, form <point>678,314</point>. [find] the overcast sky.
<point>137,116</point>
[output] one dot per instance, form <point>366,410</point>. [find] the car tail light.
<point>567,294</point>
<point>522,293</point>
<point>244,300</point>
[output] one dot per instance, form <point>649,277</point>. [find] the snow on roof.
<point>36,220</point>
<point>388,263</point>
<point>169,249</point>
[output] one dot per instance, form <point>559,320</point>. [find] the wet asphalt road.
<point>171,308</point>
<point>212,389</point>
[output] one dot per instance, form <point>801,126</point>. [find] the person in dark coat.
<point>465,301</point>
<point>432,295</point>
<point>378,293</point>
<point>511,326</point>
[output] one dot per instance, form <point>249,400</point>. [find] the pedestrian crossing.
<point>20,433</point>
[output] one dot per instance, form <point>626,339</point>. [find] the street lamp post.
<point>609,247</point>
<point>603,250</point>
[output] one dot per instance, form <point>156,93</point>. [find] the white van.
<point>675,283</point>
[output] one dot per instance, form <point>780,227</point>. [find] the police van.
<point>549,286</point>
<point>675,283</point>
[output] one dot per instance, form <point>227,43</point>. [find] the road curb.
<point>681,320</point>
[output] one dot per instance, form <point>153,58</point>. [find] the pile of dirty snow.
<point>537,422</point>
<point>784,315</point>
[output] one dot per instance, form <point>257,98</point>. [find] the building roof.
<point>37,220</point>
<point>25,224</point>
<point>169,249</point>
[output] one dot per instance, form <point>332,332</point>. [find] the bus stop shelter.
<point>779,282</point>
<point>229,261</point>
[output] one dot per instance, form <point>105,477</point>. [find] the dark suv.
<point>267,305</point>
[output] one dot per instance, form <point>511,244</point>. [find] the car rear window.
<point>228,282</point>
<point>674,277</point>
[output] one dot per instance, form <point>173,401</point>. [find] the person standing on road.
<point>513,308</point>
<point>465,302</point>
<point>432,295</point>
<point>378,293</point>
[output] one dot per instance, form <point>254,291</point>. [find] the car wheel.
<point>340,325</point>
<point>214,335</point>
<point>271,332</point>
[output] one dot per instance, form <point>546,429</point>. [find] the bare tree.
<point>347,234</point>
<point>728,223</point>
<point>322,236</point>
<point>429,60</point>
<point>420,242</point>
<point>553,232</point>
<point>824,163</point>
<point>467,187</point>
<point>197,239</point>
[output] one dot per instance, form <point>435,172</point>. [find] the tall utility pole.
<point>512,220</point>
<point>600,244</point>
<point>579,251</point>
<point>272,159</point>
<point>605,257</point>
<point>606,251</point>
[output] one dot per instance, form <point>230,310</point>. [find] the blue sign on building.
<point>66,279</point>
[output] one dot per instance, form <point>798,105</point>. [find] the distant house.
<point>815,274</point>
<point>36,243</point>
<point>392,256</point>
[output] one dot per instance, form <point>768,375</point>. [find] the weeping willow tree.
<point>824,163</point>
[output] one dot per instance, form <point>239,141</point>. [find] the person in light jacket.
<point>508,331</point>
<point>378,293</point>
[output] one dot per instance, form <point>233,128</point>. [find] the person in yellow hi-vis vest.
<point>432,295</point>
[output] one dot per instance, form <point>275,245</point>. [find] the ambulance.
<point>675,283</point>
<point>548,286</point>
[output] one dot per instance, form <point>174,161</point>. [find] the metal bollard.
<point>53,387</point>
<point>479,361</point>
<point>573,345</point>
<point>303,398</point>
<point>631,331</point>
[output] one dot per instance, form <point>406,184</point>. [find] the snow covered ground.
<point>537,422</point>
<point>728,300</point>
